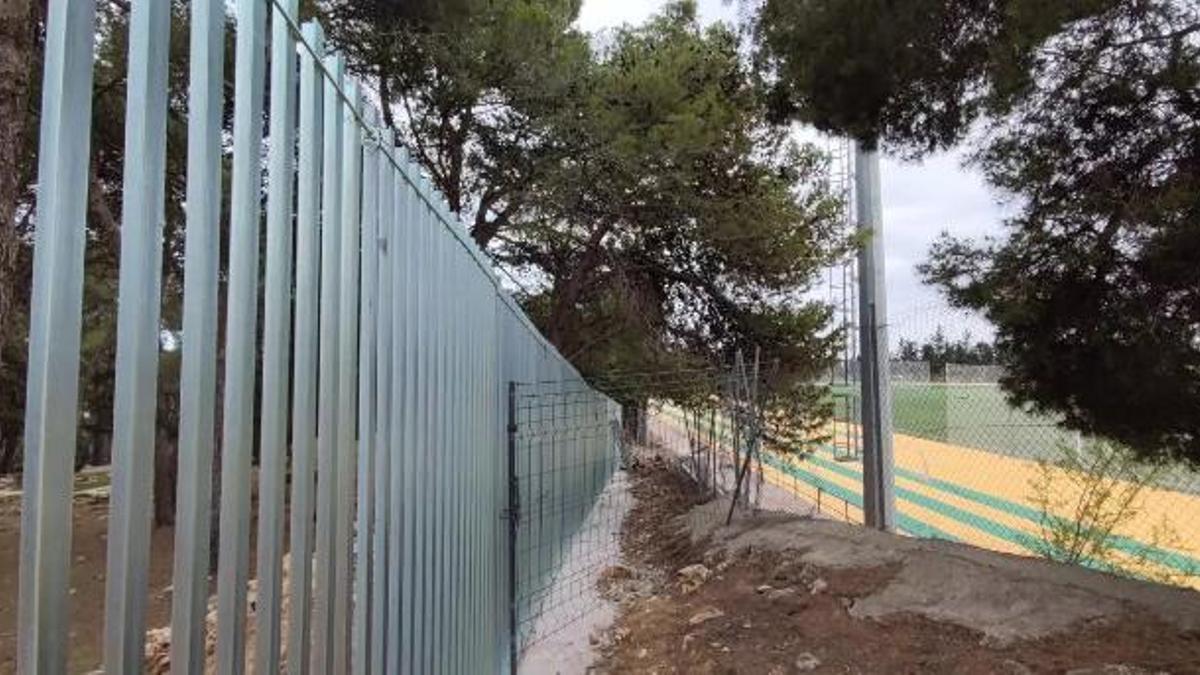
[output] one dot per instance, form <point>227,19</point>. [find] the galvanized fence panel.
<point>387,349</point>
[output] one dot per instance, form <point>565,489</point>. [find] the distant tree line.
<point>938,351</point>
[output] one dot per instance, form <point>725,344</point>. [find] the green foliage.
<point>683,226</point>
<point>422,14</point>
<point>796,417</point>
<point>464,91</point>
<point>913,74</point>
<point>1094,289</point>
<point>633,182</point>
<point>1087,116</point>
<point>1086,497</point>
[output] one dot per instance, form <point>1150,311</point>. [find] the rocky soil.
<point>776,594</point>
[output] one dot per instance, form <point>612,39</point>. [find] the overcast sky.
<point>919,200</point>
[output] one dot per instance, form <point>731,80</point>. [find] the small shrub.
<point>1087,495</point>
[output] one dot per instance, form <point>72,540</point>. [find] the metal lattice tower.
<point>842,288</point>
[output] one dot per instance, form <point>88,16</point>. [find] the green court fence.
<point>972,467</point>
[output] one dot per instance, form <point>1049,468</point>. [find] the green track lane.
<point>1176,561</point>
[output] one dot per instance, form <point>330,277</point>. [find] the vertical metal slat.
<point>281,167</point>
<point>240,337</point>
<point>138,305</point>
<point>399,593</point>
<point>198,376</point>
<point>327,405</point>
<point>440,404</point>
<point>368,267</point>
<point>52,384</point>
<point>380,596</point>
<point>424,478</point>
<point>304,402</point>
<point>347,375</point>
<point>405,436</point>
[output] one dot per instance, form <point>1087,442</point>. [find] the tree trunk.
<point>18,21</point>
<point>17,24</point>
<point>568,291</point>
<point>102,455</point>
<point>165,474</point>
<point>8,457</point>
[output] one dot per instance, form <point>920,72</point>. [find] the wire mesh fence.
<point>972,466</point>
<point>781,478</point>
<point>570,496</point>
<point>723,441</point>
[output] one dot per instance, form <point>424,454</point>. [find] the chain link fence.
<point>724,443</point>
<point>970,466</point>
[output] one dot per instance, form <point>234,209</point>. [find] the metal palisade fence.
<point>387,347</point>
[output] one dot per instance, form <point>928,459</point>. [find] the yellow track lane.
<point>921,461</point>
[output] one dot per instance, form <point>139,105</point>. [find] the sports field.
<point>970,415</point>
<point>963,473</point>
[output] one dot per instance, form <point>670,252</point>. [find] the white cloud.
<point>601,14</point>
<point>920,202</point>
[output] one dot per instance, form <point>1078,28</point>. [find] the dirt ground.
<point>757,610</point>
<point>88,550</point>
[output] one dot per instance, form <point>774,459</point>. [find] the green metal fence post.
<point>367,311</point>
<point>347,373</point>
<point>327,400</point>
<point>380,577</point>
<point>198,374</point>
<point>276,351</point>
<point>514,520</point>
